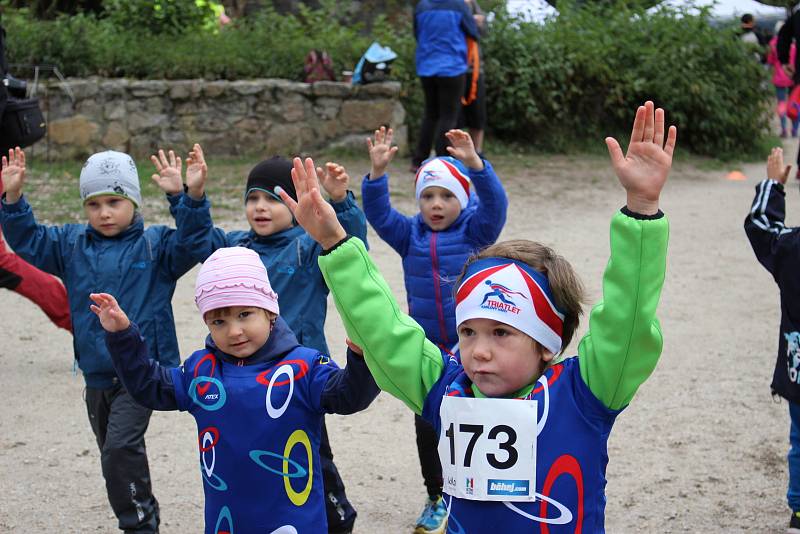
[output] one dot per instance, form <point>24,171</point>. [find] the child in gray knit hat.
<point>115,253</point>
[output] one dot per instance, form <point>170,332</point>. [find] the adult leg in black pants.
<point>340,513</point>
<point>442,108</point>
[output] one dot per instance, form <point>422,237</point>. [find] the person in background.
<point>441,28</point>
<point>782,82</point>
<point>473,112</point>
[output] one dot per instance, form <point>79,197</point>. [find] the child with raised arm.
<point>777,248</point>
<point>452,224</point>
<point>522,436</point>
<point>290,256</point>
<point>114,252</point>
<point>257,395</point>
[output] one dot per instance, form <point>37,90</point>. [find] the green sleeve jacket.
<point>617,354</point>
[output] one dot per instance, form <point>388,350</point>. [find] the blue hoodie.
<point>139,266</point>
<point>258,419</point>
<point>433,259</point>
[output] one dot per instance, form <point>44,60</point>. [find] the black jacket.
<point>778,250</point>
<point>790,30</point>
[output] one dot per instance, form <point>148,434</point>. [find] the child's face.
<point>239,330</point>
<point>439,207</point>
<point>498,358</point>
<point>267,215</point>
<point>109,214</point>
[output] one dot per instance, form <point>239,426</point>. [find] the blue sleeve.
<point>150,384</point>
<point>468,23</point>
<point>41,246</point>
<point>391,225</point>
<point>349,390</point>
<point>775,246</point>
<point>490,216</point>
<point>186,246</point>
<point>351,217</point>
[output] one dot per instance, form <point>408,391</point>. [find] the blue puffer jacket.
<point>441,28</point>
<point>139,267</point>
<point>290,257</point>
<point>432,260</point>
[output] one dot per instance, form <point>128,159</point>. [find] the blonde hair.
<point>567,288</point>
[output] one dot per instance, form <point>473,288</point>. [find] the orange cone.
<point>736,176</point>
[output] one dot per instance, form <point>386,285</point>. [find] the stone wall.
<point>248,117</point>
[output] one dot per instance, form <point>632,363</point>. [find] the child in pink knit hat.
<point>257,395</point>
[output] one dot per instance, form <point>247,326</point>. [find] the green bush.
<point>581,75</point>
<point>556,84</point>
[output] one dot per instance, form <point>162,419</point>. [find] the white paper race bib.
<point>488,448</point>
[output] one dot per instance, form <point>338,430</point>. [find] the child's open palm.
<point>644,169</point>
<point>334,180</point>
<point>111,316</point>
<point>775,167</point>
<point>381,151</point>
<point>196,172</point>
<point>316,216</point>
<point>463,149</point>
<point>14,174</point>
<point>168,172</point>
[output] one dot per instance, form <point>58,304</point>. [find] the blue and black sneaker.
<point>433,519</point>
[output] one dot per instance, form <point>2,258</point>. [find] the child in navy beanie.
<point>453,223</point>
<point>290,256</point>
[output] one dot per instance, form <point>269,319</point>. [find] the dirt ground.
<point>701,448</point>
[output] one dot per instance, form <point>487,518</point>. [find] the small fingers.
<point>672,137</point>
<point>156,162</point>
<point>289,201</point>
<point>649,122</point>
<point>162,158</point>
<point>637,133</point>
<point>172,162</point>
<point>615,152</point>
<point>658,135</point>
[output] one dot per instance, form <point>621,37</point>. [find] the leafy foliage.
<point>555,83</point>
<point>580,75</point>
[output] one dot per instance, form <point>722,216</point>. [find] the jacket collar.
<point>280,342</point>
<point>278,239</point>
<point>134,230</point>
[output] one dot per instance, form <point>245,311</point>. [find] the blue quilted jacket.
<point>432,260</point>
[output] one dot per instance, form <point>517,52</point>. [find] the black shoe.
<point>794,523</point>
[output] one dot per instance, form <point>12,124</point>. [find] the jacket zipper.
<point>437,288</point>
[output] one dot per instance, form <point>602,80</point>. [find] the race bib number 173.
<point>488,448</point>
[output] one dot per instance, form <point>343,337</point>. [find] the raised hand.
<point>775,168</point>
<point>168,172</point>
<point>316,216</point>
<point>334,180</point>
<point>463,149</point>
<point>381,151</point>
<point>13,174</point>
<point>111,316</point>
<point>196,172</point>
<point>644,169</point>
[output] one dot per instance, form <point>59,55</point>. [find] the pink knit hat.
<point>234,276</point>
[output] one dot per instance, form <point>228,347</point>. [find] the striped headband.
<point>513,293</point>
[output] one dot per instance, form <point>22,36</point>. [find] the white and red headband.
<point>444,172</point>
<point>513,293</point>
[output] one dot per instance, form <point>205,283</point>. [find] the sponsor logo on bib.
<point>507,487</point>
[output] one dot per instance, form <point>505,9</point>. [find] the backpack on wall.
<point>318,67</point>
<point>375,65</point>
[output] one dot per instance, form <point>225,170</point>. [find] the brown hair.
<point>567,288</point>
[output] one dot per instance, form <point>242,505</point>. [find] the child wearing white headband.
<point>462,208</point>
<point>522,440</point>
